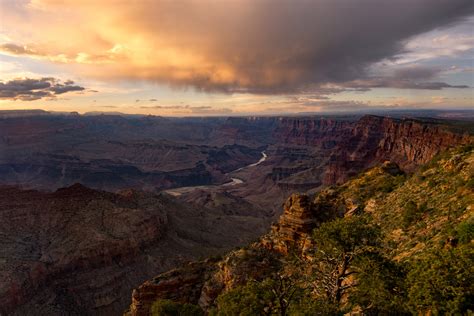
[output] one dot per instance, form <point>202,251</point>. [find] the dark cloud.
<point>393,82</point>
<point>15,49</point>
<point>283,46</point>
<point>63,88</point>
<point>409,77</point>
<point>416,72</point>
<point>33,89</point>
<point>264,46</point>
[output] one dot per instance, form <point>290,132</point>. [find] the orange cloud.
<point>258,46</point>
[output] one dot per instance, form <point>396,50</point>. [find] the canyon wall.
<point>347,147</point>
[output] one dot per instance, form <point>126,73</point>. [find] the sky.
<point>236,57</point>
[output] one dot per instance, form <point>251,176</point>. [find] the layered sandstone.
<point>323,132</point>
<point>374,139</point>
<point>342,148</point>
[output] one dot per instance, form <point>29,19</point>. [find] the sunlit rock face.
<point>409,143</point>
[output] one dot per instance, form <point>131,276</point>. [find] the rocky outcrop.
<point>182,285</point>
<point>295,224</point>
<point>200,283</point>
<point>300,216</point>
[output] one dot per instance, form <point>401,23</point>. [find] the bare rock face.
<point>300,216</point>
<point>374,139</point>
<point>321,132</point>
<point>317,152</point>
<point>296,222</point>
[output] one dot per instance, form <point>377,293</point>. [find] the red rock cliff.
<point>374,139</point>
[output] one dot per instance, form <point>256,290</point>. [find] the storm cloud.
<point>408,77</point>
<point>33,89</point>
<point>255,46</point>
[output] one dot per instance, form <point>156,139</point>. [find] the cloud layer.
<point>257,46</point>
<point>35,89</point>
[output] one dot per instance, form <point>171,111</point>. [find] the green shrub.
<point>470,183</point>
<point>272,296</point>
<point>441,283</point>
<point>171,308</point>
<point>412,213</point>
<point>465,231</point>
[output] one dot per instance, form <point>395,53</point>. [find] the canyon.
<point>288,253</point>
<point>91,197</point>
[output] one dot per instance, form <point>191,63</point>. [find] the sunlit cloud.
<point>237,57</point>
<point>238,46</point>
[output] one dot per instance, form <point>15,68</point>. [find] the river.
<point>234,181</point>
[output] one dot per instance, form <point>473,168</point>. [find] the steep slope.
<point>417,216</point>
<point>79,251</point>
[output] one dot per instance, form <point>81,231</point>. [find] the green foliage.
<point>310,306</point>
<point>442,282</point>
<point>349,261</point>
<point>171,308</point>
<point>339,244</point>
<point>365,263</point>
<point>392,183</point>
<point>412,213</point>
<point>375,182</point>
<point>465,231</point>
<point>272,296</point>
<point>470,183</point>
<point>346,235</point>
<point>380,286</point>
<point>251,299</point>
